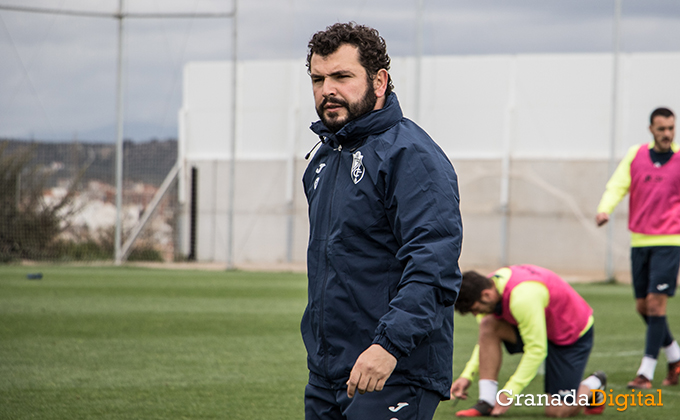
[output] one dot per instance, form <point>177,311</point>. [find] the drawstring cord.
<point>317,143</point>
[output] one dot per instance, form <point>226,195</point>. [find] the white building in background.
<point>91,215</point>
<point>529,135</point>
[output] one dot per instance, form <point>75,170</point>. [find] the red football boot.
<point>482,408</point>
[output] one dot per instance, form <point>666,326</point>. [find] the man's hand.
<point>601,218</point>
<point>501,409</point>
<point>459,388</point>
<point>371,370</point>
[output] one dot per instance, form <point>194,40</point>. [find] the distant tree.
<point>28,225</point>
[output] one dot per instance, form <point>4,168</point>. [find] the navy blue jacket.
<point>385,237</point>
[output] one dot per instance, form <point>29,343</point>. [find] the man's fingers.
<point>365,384</point>
<point>380,385</point>
<point>359,383</point>
<point>601,218</point>
<point>362,384</point>
<point>459,389</point>
<point>352,383</point>
<point>499,410</point>
<point>461,395</point>
<point>371,370</point>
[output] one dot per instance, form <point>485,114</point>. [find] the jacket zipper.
<point>324,343</point>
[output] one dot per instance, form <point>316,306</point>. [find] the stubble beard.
<point>354,110</point>
<point>663,142</point>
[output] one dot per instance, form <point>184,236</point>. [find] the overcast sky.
<point>58,72</point>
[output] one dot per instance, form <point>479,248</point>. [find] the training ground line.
<point>617,354</point>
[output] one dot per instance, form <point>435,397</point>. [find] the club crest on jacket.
<point>357,172</point>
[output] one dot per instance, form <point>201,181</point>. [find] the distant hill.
<point>148,162</point>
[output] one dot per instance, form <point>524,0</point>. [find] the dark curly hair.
<point>372,48</point>
<point>663,112</point>
<point>471,290</point>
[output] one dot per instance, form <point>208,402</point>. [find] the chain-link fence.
<point>57,200</point>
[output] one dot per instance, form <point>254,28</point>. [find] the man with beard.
<point>385,237</point>
<point>651,173</point>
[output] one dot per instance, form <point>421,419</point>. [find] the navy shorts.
<point>564,365</point>
<point>395,401</point>
<point>655,270</point>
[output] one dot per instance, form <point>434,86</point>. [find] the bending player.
<point>531,310</point>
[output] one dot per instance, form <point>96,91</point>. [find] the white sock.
<point>647,367</point>
<point>672,352</point>
<point>487,391</point>
<point>592,382</point>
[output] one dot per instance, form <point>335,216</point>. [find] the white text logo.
<point>567,397</point>
<point>398,407</point>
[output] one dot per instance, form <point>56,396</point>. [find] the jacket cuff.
<point>385,343</point>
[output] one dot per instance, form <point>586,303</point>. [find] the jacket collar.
<point>355,132</point>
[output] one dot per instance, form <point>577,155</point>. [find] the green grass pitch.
<point>134,343</point>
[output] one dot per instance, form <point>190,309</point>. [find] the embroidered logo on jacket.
<point>318,171</point>
<point>398,407</point>
<point>357,172</point>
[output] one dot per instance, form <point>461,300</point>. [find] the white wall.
<point>550,113</point>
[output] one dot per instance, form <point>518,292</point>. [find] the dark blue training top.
<point>382,261</point>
